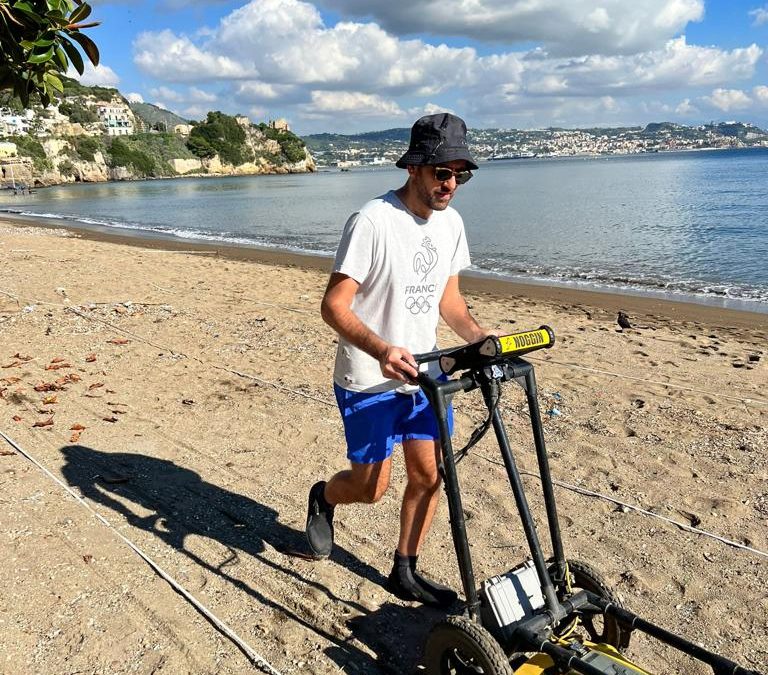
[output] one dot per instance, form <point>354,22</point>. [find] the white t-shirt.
<point>402,263</point>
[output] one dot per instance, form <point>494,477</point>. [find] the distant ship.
<point>512,155</point>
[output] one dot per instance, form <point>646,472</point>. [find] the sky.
<point>349,66</point>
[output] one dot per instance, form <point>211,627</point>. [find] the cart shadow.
<point>396,634</point>
<point>180,504</point>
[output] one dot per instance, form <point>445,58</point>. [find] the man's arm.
<point>454,310</point>
<point>396,363</point>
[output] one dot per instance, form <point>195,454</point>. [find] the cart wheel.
<point>460,646</point>
<point>600,628</point>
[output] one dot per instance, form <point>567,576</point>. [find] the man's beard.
<point>430,199</point>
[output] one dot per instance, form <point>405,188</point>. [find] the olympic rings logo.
<point>418,304</point>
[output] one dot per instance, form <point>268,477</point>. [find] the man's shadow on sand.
<point>181,504</point>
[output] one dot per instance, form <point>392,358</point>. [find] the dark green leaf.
<point>61,57</point>
<point>57,18</point>
<point>82,12</point>
<point>26,8</point>
<point>53,81</point>
<point>47,55</point>
<point>74,55</point>
<point>88,45</point>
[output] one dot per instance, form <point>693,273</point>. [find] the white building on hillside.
<point>13,123</point>
<point>117,120</point>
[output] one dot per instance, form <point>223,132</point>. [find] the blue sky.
<point>356,65</point>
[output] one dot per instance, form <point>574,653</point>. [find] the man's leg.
<point>360,483</point>
<point>422,492</point>
<point>419,504</point>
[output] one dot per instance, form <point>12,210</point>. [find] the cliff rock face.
<point>182,166</point>
<point>216,167</point>
<point>63,159</point>
<point>65,167</point>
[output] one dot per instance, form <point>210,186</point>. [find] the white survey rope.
<point>632,507</point>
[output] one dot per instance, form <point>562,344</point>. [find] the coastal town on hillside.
<point>94,134</point>
<point>385,147</point>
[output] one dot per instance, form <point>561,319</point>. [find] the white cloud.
<point>675,65</point>
<point>196,94</point>
<point>182,61</point>
<point>95,76</point>
<point>181,4</point>
<point>330,103</point>
<point>760,93</point>
<point>729,99</point>
<point>429,109</point>
<point>574,27</point>
<point>190,98</point>
<point>194,112</point>
<point>134,97</point>
<point>166,93</point>
<point>263,93</point>
<point>279,54</point>
<point>685,108</point>
<point>548,84</point>
<point>759,16</point>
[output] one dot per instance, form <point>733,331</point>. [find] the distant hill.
<point>386,136</point>
<point>382,147</point>
<point>154,116</point>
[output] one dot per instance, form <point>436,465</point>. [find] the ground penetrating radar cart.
<point>545,616</point>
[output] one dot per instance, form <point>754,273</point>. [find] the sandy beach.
<point>184,394</point>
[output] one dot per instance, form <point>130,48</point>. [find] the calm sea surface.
<point>692,226</point>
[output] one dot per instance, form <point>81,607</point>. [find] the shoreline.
<point>638,305</point>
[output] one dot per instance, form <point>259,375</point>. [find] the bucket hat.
<point>436,139</point>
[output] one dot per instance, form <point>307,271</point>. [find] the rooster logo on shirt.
<point>424,263</point>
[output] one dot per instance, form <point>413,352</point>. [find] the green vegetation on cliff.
<point>291,146</point>
<point>74,88</point>
<point>224,136</point>
<point>147,154</point>
<point>78,113</point>
<point>29,146</point>
<point>220,135</point>
<point>86,147</point>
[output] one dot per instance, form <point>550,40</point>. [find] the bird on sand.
<point>623,320</point>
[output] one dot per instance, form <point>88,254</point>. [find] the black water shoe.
<point>319,522</point>
<point>406,583</point>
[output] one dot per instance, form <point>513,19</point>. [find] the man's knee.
<point>425,480</point>
<point>371,480</point>
<point>373,490</point>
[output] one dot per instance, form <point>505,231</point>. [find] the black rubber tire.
<point>599,628</point>
<point>460,646</point>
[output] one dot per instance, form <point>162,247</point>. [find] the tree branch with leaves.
<point>38,41</point>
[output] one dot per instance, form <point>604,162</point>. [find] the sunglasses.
<point>443,173</point>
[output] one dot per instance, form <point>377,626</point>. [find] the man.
<point>395,273</point>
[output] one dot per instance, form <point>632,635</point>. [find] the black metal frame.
<point>533,632</point>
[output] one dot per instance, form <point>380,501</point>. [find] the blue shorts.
<point>373,423</point>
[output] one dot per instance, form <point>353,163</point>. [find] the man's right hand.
<point>397,363</point>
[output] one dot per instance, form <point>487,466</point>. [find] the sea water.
<point>688,225</point>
